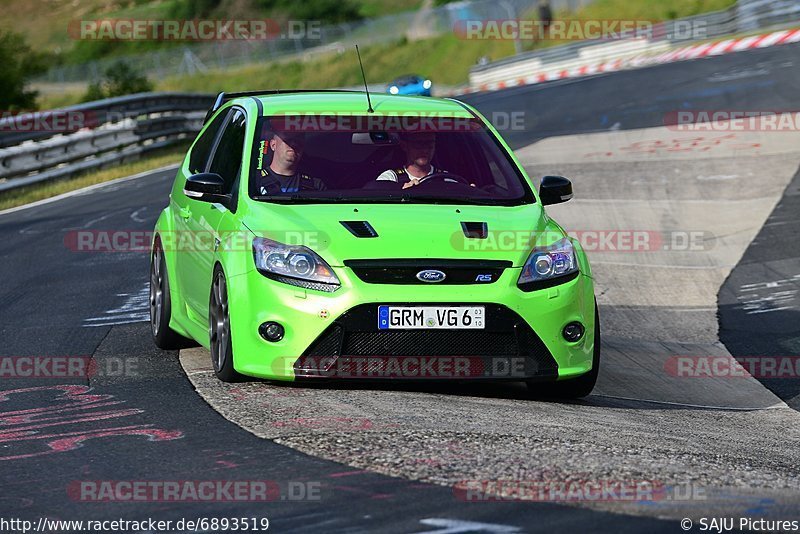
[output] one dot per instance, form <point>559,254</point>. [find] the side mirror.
<point>206,187</point>
<point>555,190</point>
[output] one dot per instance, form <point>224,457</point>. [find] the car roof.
<point>355,102</point>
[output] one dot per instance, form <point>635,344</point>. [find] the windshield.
<point>406,80</point>
<point>327,158</point>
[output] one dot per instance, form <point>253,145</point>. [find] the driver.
<point>418,148</point>
<point>282,175</point>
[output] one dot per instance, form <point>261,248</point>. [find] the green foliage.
<point>18,64</point>
<point>325,11</point>
<point>192,9</point>
<point>118,80</point>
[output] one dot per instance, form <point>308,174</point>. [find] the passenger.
<point>282,175</point>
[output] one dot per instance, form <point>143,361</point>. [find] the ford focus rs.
<point>316,234</point>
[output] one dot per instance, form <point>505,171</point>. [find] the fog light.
<point>271,331</point>
<point>573,332</point>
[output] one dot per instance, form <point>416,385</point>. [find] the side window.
<point>227,159</point>
<point>202,148</point>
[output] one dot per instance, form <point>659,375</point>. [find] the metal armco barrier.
<point>744,16</point>
<point>105,132</point>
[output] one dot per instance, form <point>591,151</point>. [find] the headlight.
<point>426,84</point>
<point>295,265</point>
<point>394,90</point>
<point>548,264</point>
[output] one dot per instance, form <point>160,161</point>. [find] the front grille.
<point>428,343</point>
<point>356,335</point>
<point>404,271</point>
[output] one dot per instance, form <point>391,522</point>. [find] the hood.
<point>408,231</point>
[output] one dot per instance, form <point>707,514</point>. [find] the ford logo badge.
<point>431,275</point>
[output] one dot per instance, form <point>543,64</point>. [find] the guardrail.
<point>744,16</point>
<point>94,135</point>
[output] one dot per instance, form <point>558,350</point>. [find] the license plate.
<point>434,317</point>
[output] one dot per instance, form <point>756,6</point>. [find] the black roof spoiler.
<point>224,97</point>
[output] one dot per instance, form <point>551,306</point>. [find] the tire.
<point>161,305</point>
<point>219,329</point>
<point>574,388</point>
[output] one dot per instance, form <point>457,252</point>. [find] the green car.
<point>325,235</point>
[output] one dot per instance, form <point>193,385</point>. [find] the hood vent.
<point>360,228</point>
<point>475,230</point>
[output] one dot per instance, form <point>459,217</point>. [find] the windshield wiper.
<point>389,199</point>
<point>430,199</point>
<point>296,198</point>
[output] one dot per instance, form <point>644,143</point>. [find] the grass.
<point>446,59</point>
<point>34,192</point>
<point>44,23</point>
<point>653,10</point>
<point>637,10</point>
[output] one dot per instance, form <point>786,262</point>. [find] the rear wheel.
<point>573,388</point>
<point>160,303</point>
<point>220,330</point>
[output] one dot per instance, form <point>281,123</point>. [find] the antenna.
<point>366,89</point>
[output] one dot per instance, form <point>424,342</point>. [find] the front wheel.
<point>573,388</point>
<point>220,330</point>
<point>161,305</point>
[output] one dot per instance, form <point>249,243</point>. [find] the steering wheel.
<point>442,176</point>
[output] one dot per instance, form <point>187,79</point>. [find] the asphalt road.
<point>754,80</point>
<point>759,305</point>
<point>53,294</point>
<point>62,302</point>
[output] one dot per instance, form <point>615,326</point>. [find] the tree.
<point>324,11</point>
<point>19,64</point>
<point>119,79</point>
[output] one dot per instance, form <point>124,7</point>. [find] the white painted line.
<point>773,38</point>
<point>776,406</point>
<point>458,526</point>
<point>135,215</point>
<point>745,43</point>
<point>88,188</point>
<point>135,309</point>
<point>720,47</point>
<point>794,38</point>
<point>699,51</point>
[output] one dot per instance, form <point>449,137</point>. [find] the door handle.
<point>185,212</point>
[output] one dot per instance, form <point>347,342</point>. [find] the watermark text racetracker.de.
<point>49,121</point>
<point>58,367</point>
<point>599,240</point>
<point>575,490</point>
<point>733,120</point>
<point>380,367</point>
<point>687,366</point>
<point>181,491</point>
<point>578,30</point>
<point>193,29</point>
<point>395,123</point>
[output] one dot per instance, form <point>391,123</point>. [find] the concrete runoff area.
<point>727,437</point>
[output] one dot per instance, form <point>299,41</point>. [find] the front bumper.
<point>335,334</point>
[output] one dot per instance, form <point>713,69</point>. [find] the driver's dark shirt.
<point>272,183</point>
